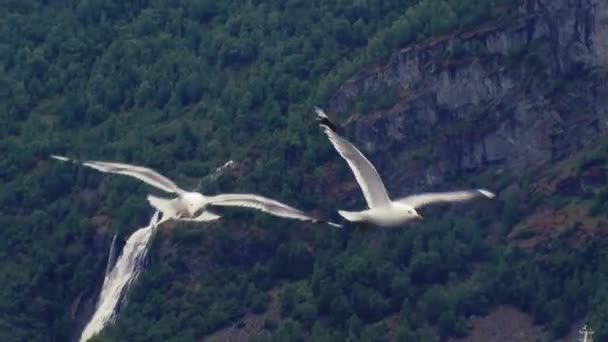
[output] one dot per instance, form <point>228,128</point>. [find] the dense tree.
<point>185,85</point>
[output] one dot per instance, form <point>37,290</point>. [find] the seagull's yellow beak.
<point>418,216</point>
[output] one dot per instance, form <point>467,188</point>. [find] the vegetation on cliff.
<point>183,86</point>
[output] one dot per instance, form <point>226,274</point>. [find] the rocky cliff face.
<point>509,96</point>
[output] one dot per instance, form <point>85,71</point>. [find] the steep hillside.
<point>440,93</point>
<point>508,96</point>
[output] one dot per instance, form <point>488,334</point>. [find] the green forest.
<point>183,86</point>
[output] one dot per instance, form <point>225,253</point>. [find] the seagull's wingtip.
<point>318,221</point>
<point>486,193</point>
<point>335,225</point>
<point>320,112</point>
<point>324,120</point>
<point>61,158</point>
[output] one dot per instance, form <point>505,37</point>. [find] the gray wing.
<point>264,204</point>
<point>144,174</point>
<point>420,200</point>
<point>371,185</point>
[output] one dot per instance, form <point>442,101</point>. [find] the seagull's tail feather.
<point>205,216</point>
<point>164,205</point>
<point>352,216</point>
<point>324,120</point>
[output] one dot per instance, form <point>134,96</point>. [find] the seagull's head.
<point>194,202</point>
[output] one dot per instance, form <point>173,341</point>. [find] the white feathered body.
<point>183,207</point>
<point>393,215</point>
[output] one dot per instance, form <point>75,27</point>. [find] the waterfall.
<point>128,266</point>
<point>111,255</point>
<point>118,279</point>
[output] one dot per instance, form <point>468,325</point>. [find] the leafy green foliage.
<point>178,86</point>
<point>182,86</point>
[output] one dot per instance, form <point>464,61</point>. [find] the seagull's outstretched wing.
<point>365,173</point>
<point>417,201</point>
<point>264,204</point>
<point>144,174</point>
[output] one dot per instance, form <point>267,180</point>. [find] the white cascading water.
<point>111,256</point>
<point>117,281</point>
<point>127,268</point>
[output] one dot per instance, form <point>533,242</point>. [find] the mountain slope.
<point>184,86</point>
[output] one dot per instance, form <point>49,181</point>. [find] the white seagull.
<point>187,204</point>
<point>382,210</point>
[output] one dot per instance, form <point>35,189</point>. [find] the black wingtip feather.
<point>324,121</point>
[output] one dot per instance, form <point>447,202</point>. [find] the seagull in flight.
<point>187,204</point>
<point>382,211</point>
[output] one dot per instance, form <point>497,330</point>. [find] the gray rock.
<point>527,95</point>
